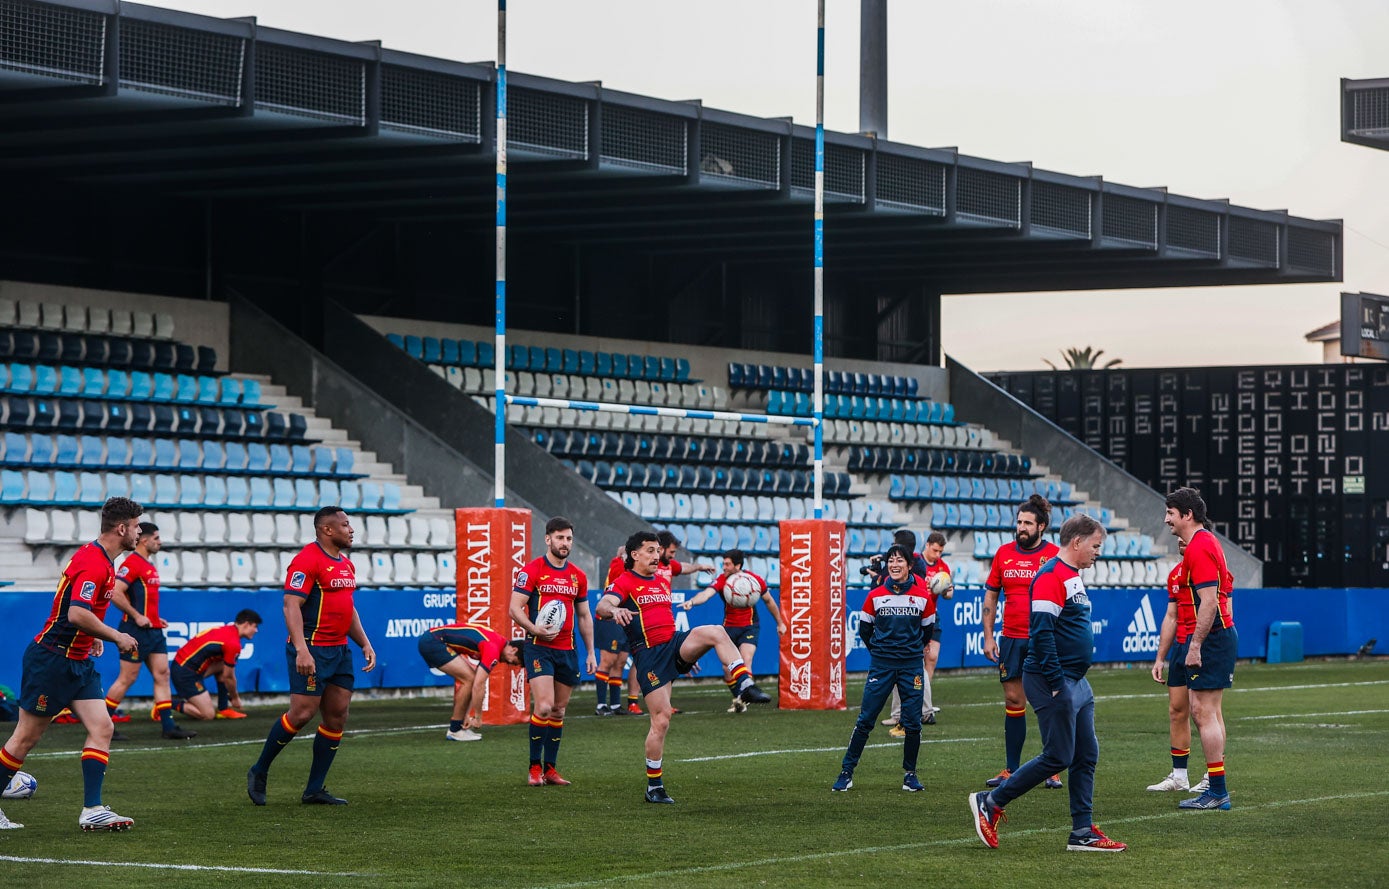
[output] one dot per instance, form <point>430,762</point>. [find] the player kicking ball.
<point>639,601</point>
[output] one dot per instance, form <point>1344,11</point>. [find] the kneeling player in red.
<point>448,648</point>
<point>639,601</point>
<point>214,649</point>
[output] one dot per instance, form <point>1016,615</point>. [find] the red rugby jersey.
<point>1011,574</point>
<point>1203,565</point>
<point>1186,615</point>
<point>142,586</point>
<point>543,583</point>
<point>473,641</point>
<point>326,585</point>
<point>649,599</point>
<point>739,617</point>
<point>210,649</point>
<point>87,582</point>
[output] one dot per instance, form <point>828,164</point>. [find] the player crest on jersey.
<point>88,591</point>
<point>522,579</point>
<point>296,580</point>
<point>916,682</point>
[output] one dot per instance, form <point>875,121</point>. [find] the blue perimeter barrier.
<point>1334,621</point>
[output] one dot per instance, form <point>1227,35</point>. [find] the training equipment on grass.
<point>941,583</point>
<point>21,786</point>
<point>741,591</point>
<point>551,616</point>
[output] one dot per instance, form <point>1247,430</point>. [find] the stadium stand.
<point>98,402</point>
<point>894,458</point>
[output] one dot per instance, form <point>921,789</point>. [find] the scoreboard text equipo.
<point>1365,325</point>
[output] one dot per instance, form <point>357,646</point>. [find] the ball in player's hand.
<point>551,616</point>
<point>942,584</point>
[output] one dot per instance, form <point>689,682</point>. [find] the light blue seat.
<point>190,490</point>
<point>190,454</point>
<point>142,488</point>
<point>91,451</point>
<point>93,383</point>
<point>284,492</point>
<point>897,488</point>
<point>11,485</point>
<point>117,385</point>
<point>165,490</point>
<point>214,458</point>
<point>238,491</point>
<point>323,461</point>
<point>257,458</point>
<point>350,496</point>
<point>117,485</point>
<point>250,393</point>
<point>214,491</point>
<point>141,453</point>
<point>117,452</point>
<point>41,449</point>
<point>165,454</point>
<point>45,380</point>
<point>343,464</point>
<point>91,489</point>
<point>328,491</point>
<point>371,496</point>
<point>728,538</point>
<point>185,389</point>
<point>234,456</point>
<point>301,460</point>
<point>305,494</point>
<point>952,487</point>
<point>164,388</point>
<point>21,378</point>
<point>65,451</point>
<point>952,516</point>
<point>141,386</point>
<point>230,391</point>
<point>911,488</point>
<point>390,496</point>
<point>69,381</point>
<point>207,390</point>
<point>745,538</point>
<point>261,494</point>
<point>64,487</point>
<point>280,460</point>
<point>857,545</point>
<point>16,448</point>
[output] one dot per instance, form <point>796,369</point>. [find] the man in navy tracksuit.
<point>894,623</point>
<point>1060,649</point>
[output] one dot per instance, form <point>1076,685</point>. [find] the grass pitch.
<point>1305,758</point>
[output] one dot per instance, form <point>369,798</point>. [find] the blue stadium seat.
<point>214,491</point>
<point>281,461</point>
<point>165,387</point>
<point>21,378</point>
<point>305,494</point>
<point>69,381</point>
<point>165,490</point>
<point>554,361</point>
<point>207,390</point>
<point>238,491</point>
<point>11,485</point>
<point>667,368</point>
<point>467,353</point>
<point>141,489</point>
<point>42,489</point>
<point>165,454</point>
<point>430,350</point>
<point>342,465</point>
<point>322,461</point>
<point>349,495</point>
<point>486,354</point>
<point>371,496</point>
<point>16,449</point>
<point>396,340</point>
<point>448,351</point>
<point>190,490</point>
<point>250,394</point>
<point>45,380</point>
<point>214,456</point>
<point>682,370</point>
<point>64,451</point>
<point>282,492</point>
<point>301,460</point>
<point>262,496</point>
<point>619,365</point>
<point>414,346</point>
<point>185,389</point>
<point>190,454</point>
<point>234,456</point>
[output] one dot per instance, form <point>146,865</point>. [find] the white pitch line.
<point>821,749</point>
<point>168,748</point>
<point>954,841</point>
<point>198,867</point>
<point>1301,715</point>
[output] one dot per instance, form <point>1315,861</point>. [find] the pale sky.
<point>1234,99</point>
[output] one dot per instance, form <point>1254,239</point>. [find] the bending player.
<point>448,649</point>
<point>640,601</point>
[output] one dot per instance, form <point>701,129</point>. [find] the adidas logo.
<point>1142,633</point>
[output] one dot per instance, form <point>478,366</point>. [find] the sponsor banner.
<point>813,605</point>
<point>1334,622</point>
<point>493,545</point>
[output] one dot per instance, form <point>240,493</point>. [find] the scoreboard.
<point>1365,325</point>
<point>1284,455</point>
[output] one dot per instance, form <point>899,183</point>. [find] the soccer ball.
<point>741,591</point>
<point>21,786</point>
<point>551,615</point>
<point>942,584</point>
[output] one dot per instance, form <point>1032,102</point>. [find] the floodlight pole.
<point>819,405</point>
<point>499,471</point>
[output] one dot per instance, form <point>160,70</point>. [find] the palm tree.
<point>1085,359</point>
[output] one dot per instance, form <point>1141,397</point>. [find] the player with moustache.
<point>1014,565</point>
<point>639,600</point>
<point>552,664</point>
<point>321,617</point>
<point>58,670</point>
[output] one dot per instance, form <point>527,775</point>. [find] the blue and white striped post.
<point>499,473</point>
<point>819,404</point>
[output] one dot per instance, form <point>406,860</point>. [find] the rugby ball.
<point>21,786</point>
<point>551,616</point>
<point>741,591</point>
<point>941,583</point>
